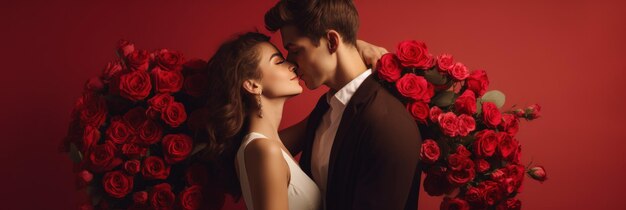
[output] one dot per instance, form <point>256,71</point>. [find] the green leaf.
<point>444,99</point>
<point>198,148</point>
<point>496,97</point>
<point>74,154</point>
<point>433,76</point>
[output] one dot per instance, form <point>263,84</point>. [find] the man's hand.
<point>370,53</point>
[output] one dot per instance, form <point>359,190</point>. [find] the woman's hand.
<point>370,53</point>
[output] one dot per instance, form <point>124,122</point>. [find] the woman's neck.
<point>272,114</point>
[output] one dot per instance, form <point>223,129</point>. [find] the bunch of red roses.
<point>470,152</point>
<point>135,130</point>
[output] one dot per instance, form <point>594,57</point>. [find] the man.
<point>360,144</point>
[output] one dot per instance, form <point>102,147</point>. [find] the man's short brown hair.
<point>313,18</point>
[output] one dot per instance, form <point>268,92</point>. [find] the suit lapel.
<point>314,121</point>
<point>352,110</point>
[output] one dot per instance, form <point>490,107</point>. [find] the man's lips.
<point>296,77</point>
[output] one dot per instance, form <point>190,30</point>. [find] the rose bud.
<point>140,197</point>
<point>83,178</point>
<point>538,173</point>
<point>94,84</point>
<point>533,111</point>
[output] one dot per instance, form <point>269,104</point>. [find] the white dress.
<point>302,191</point>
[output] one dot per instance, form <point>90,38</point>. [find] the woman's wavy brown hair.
<point>229,104</point>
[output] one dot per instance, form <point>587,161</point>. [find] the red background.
<point>566,56</point>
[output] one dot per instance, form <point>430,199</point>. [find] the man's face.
<point>316,65</point>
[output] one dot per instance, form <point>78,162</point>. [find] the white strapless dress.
<point>302,191</point>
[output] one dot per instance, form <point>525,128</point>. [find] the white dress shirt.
<point>325,133</point>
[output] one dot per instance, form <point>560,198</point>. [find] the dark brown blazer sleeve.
<point>389,156</point>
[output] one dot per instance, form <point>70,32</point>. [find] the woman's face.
<point>278,75</point>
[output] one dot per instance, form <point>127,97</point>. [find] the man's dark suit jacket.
<point>374,157</point>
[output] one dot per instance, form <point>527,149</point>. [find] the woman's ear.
<point>334,39</point>
<point>252,86</point>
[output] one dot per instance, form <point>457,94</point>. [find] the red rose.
<point>412,86</point>
<point>83,178</point>
<point>464,174</point>
<point>102,157</point>
<point>155,168</point>
<point>191,198</point>
<point>466,124</point>
<point>491,115</point>
<point>112,70</point>
<point>132,166</point>
<point>94,84</point>
<point>116,184</point>
<point>135,117</point>
<point>167,81</point>
<point>169,60</point>
<point>454,204</point>
<point>478,82</point>
<point>197,174</point>
<point>135,85</point>
<point>435,183</point>
<point>91,109</point>
<point>140,197</point>
<point>414,54</point>
<point>497,175</point>
<point>119,132</point>
<point>138,60</point>
<point>445,62</point>
<point>196,85</point>
<point>466,103</point>
<point>174,114</point>
<point>90,137</point>
<point>150,132</point>
<point>429,152</point>
<point>162,197</point>
<point>389,68</point>
<point>482,165</point>
<point>419,110</point>
<point>492,192</point>
<point>510,204</point>
<point>133,150</point>
<point>475,195</point>
<point>516,172</point>
<point>461,150</point>
<point>176,147</point>
<point>124,48</point>
<point>435,111</point>
<point>160,101</point>
<point>510,124</point>
<point>459,72</point>
<point>506,145</point>
<point>449,124</point>
<point>485,143</point>
<point>538,173</point>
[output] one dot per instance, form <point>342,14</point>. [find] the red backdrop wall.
<point>568,56</point>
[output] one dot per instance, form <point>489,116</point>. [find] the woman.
<point>249,82</point>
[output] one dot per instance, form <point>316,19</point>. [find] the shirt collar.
<point>341,98</point>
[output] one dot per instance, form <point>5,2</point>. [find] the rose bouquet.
<point>135,130</point>
<point>469,152</point>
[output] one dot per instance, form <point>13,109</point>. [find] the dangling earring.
<point>258,101</point>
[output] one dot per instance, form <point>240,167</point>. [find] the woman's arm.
<point>268,175</point>
<point>370,53</point>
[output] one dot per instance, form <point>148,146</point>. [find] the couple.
<point>360,147</point>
